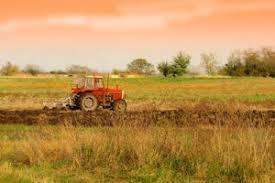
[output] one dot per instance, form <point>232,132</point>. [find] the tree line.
<point>9,69</point>
<point>251,63</point>
<point>239,63</point>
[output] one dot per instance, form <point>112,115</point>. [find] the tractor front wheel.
<point>120,106</point>
<point>88,102</point>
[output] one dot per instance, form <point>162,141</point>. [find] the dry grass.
<point>141,155</point>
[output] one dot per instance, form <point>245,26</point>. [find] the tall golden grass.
<point>205,153</point>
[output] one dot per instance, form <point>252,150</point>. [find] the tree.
<point>9,69</point>
<point>269,59</point>
<point>210,63</point>
<point>164,68</point>
<point>234,66</point>
<point>78,69</point>
<point>34,70</point>
<point>180,64</point>
<point>254,64</point>
<point>141,66</point>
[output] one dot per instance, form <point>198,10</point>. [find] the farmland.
<point>177,129</point>
<point>31,92</point>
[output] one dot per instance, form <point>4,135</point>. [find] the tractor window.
<point>98,83</point>
<point>79,82</point>
<point>90,83</point>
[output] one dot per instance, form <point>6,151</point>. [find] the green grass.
<point>256,90</point>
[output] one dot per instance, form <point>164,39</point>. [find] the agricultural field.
<point>176,130</point>
<point>32,92</point>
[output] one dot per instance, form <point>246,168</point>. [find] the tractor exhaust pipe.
<point>108,78</point>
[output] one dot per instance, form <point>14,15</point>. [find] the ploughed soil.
<point>193,116</point>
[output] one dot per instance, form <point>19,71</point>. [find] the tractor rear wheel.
<point>120,106</point>
<point>88,102</point>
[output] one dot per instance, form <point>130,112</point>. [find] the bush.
<point>58,72</point>
<point>9,69</point>
<point>78,69</point>
<point>34,70</point>
<point>119,72</point>
<point>164,68</point>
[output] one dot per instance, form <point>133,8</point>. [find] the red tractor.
<point>89,94</point>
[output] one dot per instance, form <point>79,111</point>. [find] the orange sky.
<point>109,33</point>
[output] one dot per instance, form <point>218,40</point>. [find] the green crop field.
<point>249,90</point>
<point>221,142</point>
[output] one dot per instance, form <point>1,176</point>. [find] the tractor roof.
<point>98,77</point>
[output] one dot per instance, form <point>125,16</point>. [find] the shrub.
<point>164,68</point>
<point>9,69</point>
<point>119,72</point>
<point>58,72</point>
<point>34,70</point>
<point>78,69</point>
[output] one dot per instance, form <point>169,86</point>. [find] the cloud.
<point>122,15</point>
<point>99,23</point>
<point>111,22</point>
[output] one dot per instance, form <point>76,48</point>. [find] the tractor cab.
<point>89,82</point>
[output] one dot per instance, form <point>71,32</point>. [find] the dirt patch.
<point>192,116</point>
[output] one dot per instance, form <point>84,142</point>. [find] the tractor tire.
<point>120,106</point>
<point>88,102</point>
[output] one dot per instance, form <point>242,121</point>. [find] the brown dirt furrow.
<point>177,118</point>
